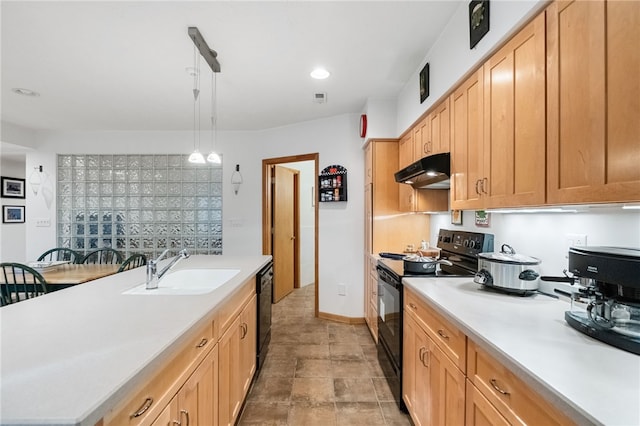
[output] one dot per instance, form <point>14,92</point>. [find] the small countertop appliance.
<point>610,308</point>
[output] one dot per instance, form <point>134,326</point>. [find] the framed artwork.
<point>12,214</point>
<point>12,187</point>
<point>424,83</point>
<point>482,218</point>
<point>478,21</point>
<point>456,217</point>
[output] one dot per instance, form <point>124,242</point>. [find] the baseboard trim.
<point>340,318</point>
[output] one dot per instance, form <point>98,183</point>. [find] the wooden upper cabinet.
<point>514,120</point>
<point>368,164</point>
<point>421,139</point>
<point>467,141</point>
<point>593,102</point>
<point>439,129</point>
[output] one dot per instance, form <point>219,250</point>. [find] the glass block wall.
<point>139,204</point>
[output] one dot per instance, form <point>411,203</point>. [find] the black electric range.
<point>461,248</point>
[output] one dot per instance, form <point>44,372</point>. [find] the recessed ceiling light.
<point>25,92</point>
<point>320,74</point>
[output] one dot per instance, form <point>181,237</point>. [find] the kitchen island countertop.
<point>69,356</point>
<point>590,381</point>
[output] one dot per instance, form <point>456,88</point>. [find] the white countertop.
<point>69,356</point>
<point>592,382</point>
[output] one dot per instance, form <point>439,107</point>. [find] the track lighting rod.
<point>209,55</point>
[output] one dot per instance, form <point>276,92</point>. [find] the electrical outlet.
<point>342,289</point>
<point>43,222</point>
<point>574,240</point>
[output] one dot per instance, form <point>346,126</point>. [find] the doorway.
<point>273,232</point>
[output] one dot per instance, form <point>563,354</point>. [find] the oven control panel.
<point>464,242</point>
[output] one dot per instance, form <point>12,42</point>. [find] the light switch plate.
<point>43,222</point>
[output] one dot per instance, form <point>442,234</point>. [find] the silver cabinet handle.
<point>494,383</point>
<point>244,329</point>
<point>442,334</point>
<point>143,408</point>
<point>186,413</point>
<point>202,343</point>
<point>412,306</point>
<point>485,182</point>
<point>478,187</point>
<point>423,353</point>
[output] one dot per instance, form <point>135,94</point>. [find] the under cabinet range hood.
<point>430,172</point>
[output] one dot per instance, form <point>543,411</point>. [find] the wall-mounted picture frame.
<point>482,218</point>
<point>424,83</point>
<point>456,217</point>
<point>12,187</point>
<point>12,214</point>
<point>478,21</point>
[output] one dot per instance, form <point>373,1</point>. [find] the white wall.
<point>308,196</point>
<point>12,235</point>
<point>543,235</point>
<point>450,59</point>
<point>340,224</point>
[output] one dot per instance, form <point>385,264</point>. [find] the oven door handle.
<point>386,277</point>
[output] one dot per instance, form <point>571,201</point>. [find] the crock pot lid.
<point>516,258</point>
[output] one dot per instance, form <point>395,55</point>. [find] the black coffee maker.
<point>607,306</point>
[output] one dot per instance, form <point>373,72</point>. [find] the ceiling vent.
<point>320,98</point>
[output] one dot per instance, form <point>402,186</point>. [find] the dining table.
<point>72,274</point>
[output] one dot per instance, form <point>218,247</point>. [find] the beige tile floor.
<point>319,372</point>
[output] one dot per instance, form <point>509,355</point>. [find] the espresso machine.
<point>607,304</point>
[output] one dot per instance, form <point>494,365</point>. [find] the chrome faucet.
<point>153,276</point>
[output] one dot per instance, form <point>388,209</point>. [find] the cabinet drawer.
<point>449,338</point>
<point>232,307</point>
<point>515,400</point>
<point>150,398</point>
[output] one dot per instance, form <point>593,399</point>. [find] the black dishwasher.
<point>264,291</point>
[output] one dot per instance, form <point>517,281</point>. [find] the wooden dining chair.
<point>20,282</point>
<point>134,261</point>
<point>105,255</point>
<point>61,253</point>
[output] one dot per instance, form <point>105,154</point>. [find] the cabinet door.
<point>368,164</point>
<point>593,91</point>
<point>406,200</point>
<point>415,375</point>
<point>421,139</point>
<point>197,400</point>
<point>467,143</point>
<point>230,382</point>
<point>479,411</point>
<point>439,128</point>
<point>447,385</point>
<point>368,219</point>
<point>248,342</point>
<point>514,114</point>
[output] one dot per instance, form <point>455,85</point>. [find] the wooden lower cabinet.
<point>479,411</point>
<point>196,402</point>
<point>237,363</point>
<point>207,380</point>
<point>371,295</point>
<point>433,386</point>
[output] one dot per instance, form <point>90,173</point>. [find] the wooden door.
<point>284,231</point>
<point>514,114</point>
<point>593,101</point>
<point>467,141</point>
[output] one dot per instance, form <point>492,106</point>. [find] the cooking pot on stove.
<point>508,271</point>
<point>418,264</point>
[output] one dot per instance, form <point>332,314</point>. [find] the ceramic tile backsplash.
<point>139,204</point>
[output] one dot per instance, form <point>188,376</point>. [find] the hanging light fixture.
<point>213,156</point>
<point>196,156</point>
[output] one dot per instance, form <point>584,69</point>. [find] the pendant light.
<point>196,156</point>
<point>213,156</point>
